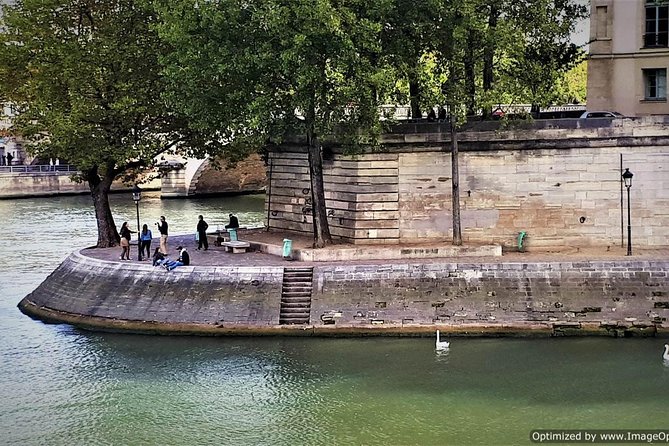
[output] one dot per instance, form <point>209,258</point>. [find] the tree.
<point>283,66</point>
<point>85,79</point>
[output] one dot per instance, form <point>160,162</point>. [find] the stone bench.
<point>236,247</point>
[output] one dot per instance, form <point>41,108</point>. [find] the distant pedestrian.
<point>145,240</point>
<point>162,227</point>
<point>10,157</point>
<point>234,222</point>
<point>442,114</point>
<point>125,241</point>
<point>202,233</point>
<point>4,160</point>
<point>431,115</point>
<point>184,260</point>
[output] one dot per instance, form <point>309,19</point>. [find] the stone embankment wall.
<point>44,184</point>
<point>561,298</point>
<point>559,181</point>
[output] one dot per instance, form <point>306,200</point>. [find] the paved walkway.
<point>216,255</point>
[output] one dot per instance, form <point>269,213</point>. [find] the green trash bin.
<point>233,234</point>
<point>287,248</point>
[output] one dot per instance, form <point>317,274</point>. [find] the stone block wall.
<point>222,296</point>
<point>617,298</point>
<point>595,296</point>
<point>361,193</point>
<point>561,185</point>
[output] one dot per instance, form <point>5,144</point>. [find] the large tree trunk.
<point>107,234</point>
<point>322,235</point>
<point>414,96</point>
<point>470,75</point>
<point>455,182</point>
<point>489,53</point>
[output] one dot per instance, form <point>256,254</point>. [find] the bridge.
<point>179,177</point>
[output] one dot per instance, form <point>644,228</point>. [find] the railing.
<point>38,168</point>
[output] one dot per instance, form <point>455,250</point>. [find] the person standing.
<point>125,241</point>
<point>10,157</point>
<point>145,240</point>
<point>202,233</point>
<point>162,227</point>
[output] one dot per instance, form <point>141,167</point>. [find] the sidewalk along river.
<point>63,386</point>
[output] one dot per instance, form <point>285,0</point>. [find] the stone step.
<point>294,305</point>
<point>294,312</point>
<point>303,290</point>
<point>296,300</point>
<point>293,321</point>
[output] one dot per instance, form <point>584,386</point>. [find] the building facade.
<point>629,56</point>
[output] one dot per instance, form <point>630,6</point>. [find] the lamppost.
<point>136,196</point>
<point>627,177</point>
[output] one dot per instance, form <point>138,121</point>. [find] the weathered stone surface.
<point>616,298</point>
<point>559,182</point>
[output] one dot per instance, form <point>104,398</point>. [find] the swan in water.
<point>441,345</point>
<point>665,355</point>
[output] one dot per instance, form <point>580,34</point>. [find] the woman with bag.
<point>125,241</point>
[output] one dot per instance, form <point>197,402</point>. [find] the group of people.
<point>160,255</point>
<point>6,160</point>
<point>432,116</point>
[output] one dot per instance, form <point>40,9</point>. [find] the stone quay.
<point>474,293</point>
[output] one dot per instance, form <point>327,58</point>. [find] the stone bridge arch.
<point>191,176</point>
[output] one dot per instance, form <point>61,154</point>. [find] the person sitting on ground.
<point>184,259</point>
<point>234,223</point>
<point>158,257</point>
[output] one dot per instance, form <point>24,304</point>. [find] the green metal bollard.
<point>287,248</point>
<point>233,234</point>
<point>521,237</point>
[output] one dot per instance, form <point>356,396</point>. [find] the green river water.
<point>64,386</point>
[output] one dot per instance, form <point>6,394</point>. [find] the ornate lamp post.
<point>627,177</point>
<point>136,196</point>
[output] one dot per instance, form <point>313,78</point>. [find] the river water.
<point>64,386</point>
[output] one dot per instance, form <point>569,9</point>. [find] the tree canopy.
<point>85,80</point>
<point>111,84</point>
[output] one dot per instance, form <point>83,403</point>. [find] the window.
<point>657,23</point>
<point>655,81</point>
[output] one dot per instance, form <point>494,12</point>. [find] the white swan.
<point>665,355</point>
<point>441,345</point>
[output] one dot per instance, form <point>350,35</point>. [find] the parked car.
<point>601,114</point>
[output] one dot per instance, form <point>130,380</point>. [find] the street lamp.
<point>627,177</point>
<point>136,196</point>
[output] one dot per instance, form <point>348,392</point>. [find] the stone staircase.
<point>296,296</point>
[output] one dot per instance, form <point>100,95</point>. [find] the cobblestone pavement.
<point>216,255</point>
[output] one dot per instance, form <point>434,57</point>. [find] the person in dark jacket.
<point>125,241</point>
<point>202,233</point>
<point>184,260</point>
<point>162,227</point>
<point>158,257</point>
<point>234,223</point>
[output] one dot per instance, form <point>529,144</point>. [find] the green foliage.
<point>572,86</point>
<point>85,78</point>
<point>255,69</point>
